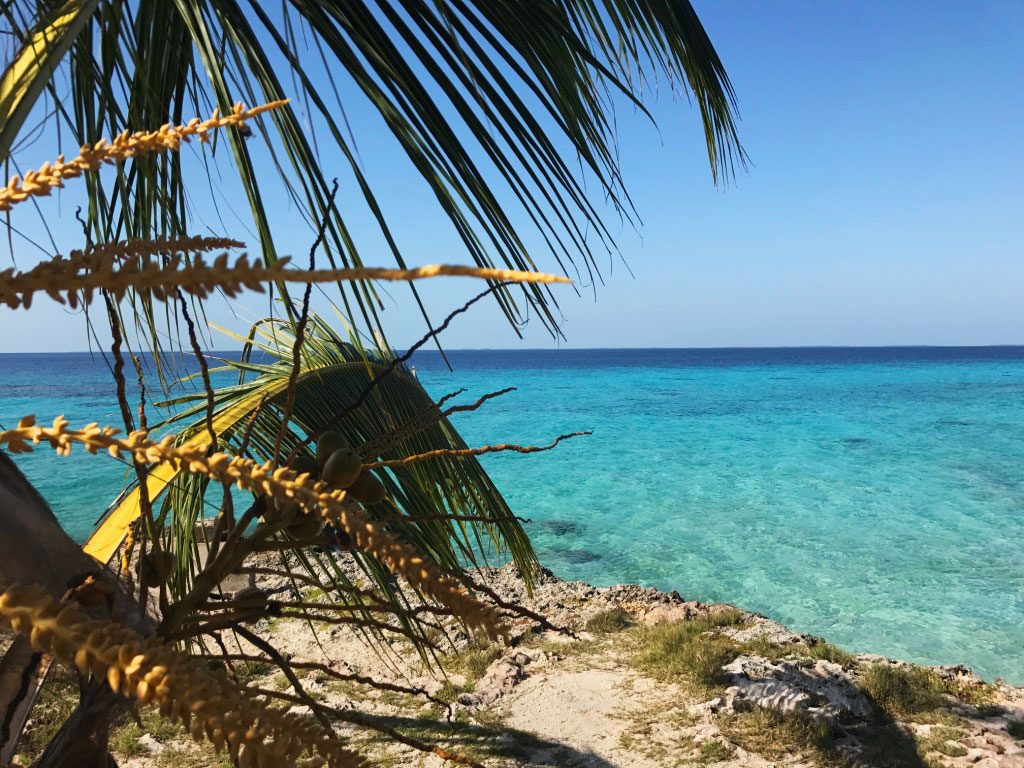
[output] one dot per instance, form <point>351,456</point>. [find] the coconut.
<point>304,465</point>
<point>147,572</point>
<point>342,468</point>
<point>305,526</point>
<point>367,488</point>
<point>157,566</point>
<point>328,443</point>
<point>281,511</point>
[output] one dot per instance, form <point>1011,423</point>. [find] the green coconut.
<point>367,488</point>
<point>158,566</point>
<point>305,526</point>
<point>281,511</point>
<point>304,465</point>
<point>147,572</point>
<point>342,468</point>
<point>328,443</point>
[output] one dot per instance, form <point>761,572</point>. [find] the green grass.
<point>902,692</point>
<point>943,740</point>
<point>711,752</point>
<point>612,620</point>
<point>766,648</point>
<point>472,663</point>
<point>777,735</point>
<point>247,672</point>
<point>450,690</point>
<point>124,738</point>
<point>689,652</point>
<point>313,594</point>
<point>57,700</point>
<point>828,652</point>
<point>917,693</point>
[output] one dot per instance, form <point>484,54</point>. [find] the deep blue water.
<point>873,496</point>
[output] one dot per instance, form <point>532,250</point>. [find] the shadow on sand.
<point>483,742</point>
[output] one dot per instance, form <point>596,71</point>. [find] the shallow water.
<point>871,496</point>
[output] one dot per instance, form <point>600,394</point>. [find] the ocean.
<point>874,496</point>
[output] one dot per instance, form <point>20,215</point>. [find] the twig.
<point>429,416</point>
<point>395,363</point>
<point>357,718</point>
<point>515,608</point>
<point>463,452</point>
<point>300,328</point>
<point>143,424</point>
<point>350,677</point>
<point>285,667</point>
<point>204,369</point>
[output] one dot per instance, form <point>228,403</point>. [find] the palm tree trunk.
<point>22,672</point>
<point>35,549</point>
<point>82,741</point>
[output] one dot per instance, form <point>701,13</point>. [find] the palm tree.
<point>480,97</point>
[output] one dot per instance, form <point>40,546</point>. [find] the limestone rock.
<point>150,744</point>
<point>819,690</point>
<point>501,677</point>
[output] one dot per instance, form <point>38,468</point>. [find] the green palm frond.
<point>483,98</point>
<point>30,72</point>
<point>428,502</point>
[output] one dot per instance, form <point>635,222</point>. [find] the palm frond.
<point>446,508</point>
<point>480,97</point>
<point>31,70</point>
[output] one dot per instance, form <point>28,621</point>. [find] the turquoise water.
<point>871,496</point>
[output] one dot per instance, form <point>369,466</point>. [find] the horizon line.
<point>603,349</point>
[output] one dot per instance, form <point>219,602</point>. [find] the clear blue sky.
<point>883,204</point>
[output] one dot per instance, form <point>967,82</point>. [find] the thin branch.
<point>357,718</point>
<point>515,608</point>
<point>204,369</point>
<point>285,667</point>
<point>350,677</point>
<point>395,363</point>
<point>429,416</point>
<point>300,327</point>
<point>464,452</point>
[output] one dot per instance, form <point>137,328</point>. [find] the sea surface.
<point>874,496</point>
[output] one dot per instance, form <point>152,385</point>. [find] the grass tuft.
<point>688,651</point>
<point>902,692</point>
<point>472,663</point>
<point>828,652</point>
<point>612,620</point>
<point>944,741</point>
<point>57,700</point>
<point>711,752</point>
<point>776,735</point>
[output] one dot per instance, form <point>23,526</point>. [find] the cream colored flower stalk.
<point>331,505</point>
<point>78,276</point>
<point>140,247</point>
<point>122,147</point>
<point>207,702</point>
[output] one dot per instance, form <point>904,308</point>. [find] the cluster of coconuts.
<point>340,467</point>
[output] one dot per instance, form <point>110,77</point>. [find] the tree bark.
<point>82,741</point>
<point>35,549</point>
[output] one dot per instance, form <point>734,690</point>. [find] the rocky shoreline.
<point>968,721</point>
<point>646,678</point>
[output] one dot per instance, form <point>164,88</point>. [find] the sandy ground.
<point>552,700</point>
